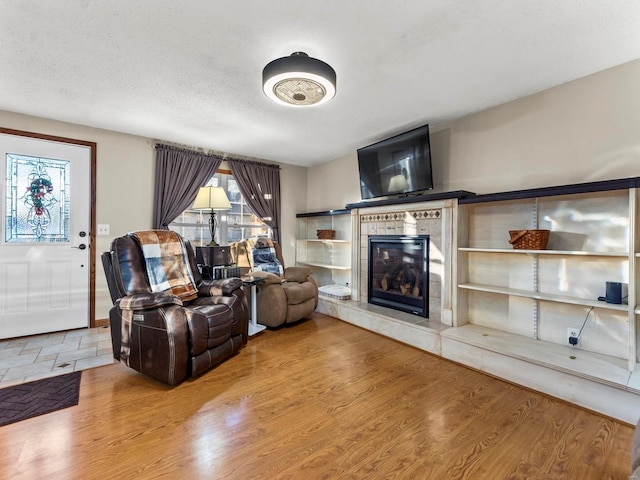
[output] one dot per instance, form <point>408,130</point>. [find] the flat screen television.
<point>397,165</point>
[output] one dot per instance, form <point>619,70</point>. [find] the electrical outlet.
<point>572,333</point>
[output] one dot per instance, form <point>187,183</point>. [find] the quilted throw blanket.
<point>263,256</point>
<point>167,263</point>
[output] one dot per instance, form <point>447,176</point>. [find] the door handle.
<point>82,246</point>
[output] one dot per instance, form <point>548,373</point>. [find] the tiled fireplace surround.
<point>434,218</point>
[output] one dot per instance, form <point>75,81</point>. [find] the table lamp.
<point>214,198</point>
<point>398,183</point>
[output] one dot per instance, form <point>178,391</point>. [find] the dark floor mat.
<point>20,402</point>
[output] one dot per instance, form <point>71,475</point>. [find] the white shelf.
<point>593,366</point>
<point>545,252</point>
<point>326,265</point>
<point>324,241</point>
<point>549,297</point>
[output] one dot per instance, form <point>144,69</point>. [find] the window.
<point>231,226</point>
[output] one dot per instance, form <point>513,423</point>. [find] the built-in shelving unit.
<point>521,303</point>
<point>330,260</point>
<point>507,311</point>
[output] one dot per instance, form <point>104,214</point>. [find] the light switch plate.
<point>103,229</point>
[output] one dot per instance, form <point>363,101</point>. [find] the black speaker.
<point>613,292</point>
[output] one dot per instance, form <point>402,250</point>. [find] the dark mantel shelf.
<point>425,197</point>
<point>466,197</point>
<point>323,214</point>
<point>589,187</point>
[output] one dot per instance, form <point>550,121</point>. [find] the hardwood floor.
<point>320,400</point>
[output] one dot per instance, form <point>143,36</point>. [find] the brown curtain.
<point>179,175</point>
<point>259,184</point>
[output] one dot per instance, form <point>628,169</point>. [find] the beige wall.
<point>293,193</point>
<point>124,192</point>
<point>333,185</point>
<point>581,131</point>
<point>585,130</point>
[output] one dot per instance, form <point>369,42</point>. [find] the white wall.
<point>125,168</point>
<point>584,130</point>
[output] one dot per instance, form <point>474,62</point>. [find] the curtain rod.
<point>253,162</point>
<point>209,152</point>
<point>187,150</point>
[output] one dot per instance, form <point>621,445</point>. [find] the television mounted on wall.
<point>398,165</point>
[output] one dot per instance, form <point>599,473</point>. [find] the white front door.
<point>45,262</point>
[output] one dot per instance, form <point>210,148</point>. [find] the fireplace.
<point>399,272</point>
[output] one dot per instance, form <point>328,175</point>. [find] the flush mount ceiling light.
<point>299,80</point>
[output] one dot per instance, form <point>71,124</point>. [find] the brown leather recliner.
<point>162,336</point>
<point>281,299</point>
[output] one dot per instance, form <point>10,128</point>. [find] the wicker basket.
<point>325,234</point>
<point>529,239</point>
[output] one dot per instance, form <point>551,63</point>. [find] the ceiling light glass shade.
<point>299,80</point>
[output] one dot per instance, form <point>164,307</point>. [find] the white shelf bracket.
<point>534,259</point>
<point>633,279</point>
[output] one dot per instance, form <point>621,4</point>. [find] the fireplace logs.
<point>405,278</point>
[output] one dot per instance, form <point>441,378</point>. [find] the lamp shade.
<point>214,198</point>
<point>299,80</point>
<point>398,183</point>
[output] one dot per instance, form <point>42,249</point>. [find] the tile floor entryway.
<point>39,356</point>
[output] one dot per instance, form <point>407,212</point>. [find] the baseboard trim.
<point>101,322</point>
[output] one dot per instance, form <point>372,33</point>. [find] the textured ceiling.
<point>189,72</point>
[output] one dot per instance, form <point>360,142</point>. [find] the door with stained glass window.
<point>44,247</point>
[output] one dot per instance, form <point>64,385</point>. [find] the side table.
<point>213,256</point>
<point>215,262</point>
<point>253,282</point>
